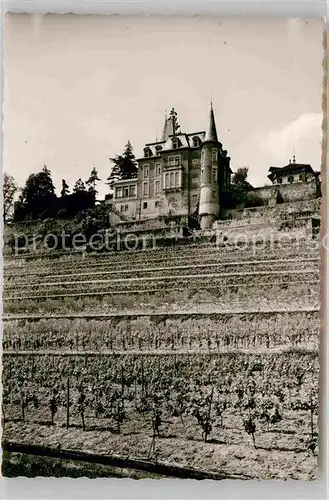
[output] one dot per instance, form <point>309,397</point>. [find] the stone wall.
<point>268,222</point>
<point>163,226</point>
<point>299,191</point>
<point>282,211</point>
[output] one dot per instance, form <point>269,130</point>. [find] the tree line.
<point>38,199</point>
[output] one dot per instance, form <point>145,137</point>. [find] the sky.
<point>77,88</point>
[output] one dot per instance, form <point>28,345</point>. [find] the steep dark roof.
<point>289,169</point>
<point>211,134</point>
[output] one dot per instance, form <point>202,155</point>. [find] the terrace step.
<point>169,253</point>
<point>168,278</point>
<point>174,314</point>
<point>266,295</point>
<point>274,350</point>
<point>281,264</point>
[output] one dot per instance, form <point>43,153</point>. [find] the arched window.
<point>147,152</point>
<point>279,180</point>
<point>302,177</point>
<point>196,142</point>
<point>176,143</point>
<point>291,179</point>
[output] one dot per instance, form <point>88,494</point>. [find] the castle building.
<point>293,172</point>
<point>182,174</point>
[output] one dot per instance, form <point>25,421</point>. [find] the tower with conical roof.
<point>211,152</point>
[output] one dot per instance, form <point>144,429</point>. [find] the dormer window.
<point>291,179</point>
<point>147,152</point>
<point>196,142</point>
<point>279,180</point>
<point>158,149</point>
<point>175,143</point>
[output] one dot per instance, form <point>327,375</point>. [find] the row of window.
<point>175,142</point>
<point>176,161</point>
<point>291,178</point>
<point>146,170</point>
<point>157,187</point>
<point>171,180</point>
<point>176,145</point>
<point>214,156</point>
<point>125,192</point>
<point>172,161</point>
<point>156,204</point>
<point>214,175</point>
<point>124,208</point>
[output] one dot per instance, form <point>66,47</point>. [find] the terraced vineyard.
<point>189,355</point>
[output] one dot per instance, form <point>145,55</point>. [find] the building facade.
<point>293,172</point>
<point>182,174</point>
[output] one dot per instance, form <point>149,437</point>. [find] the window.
<point>122,208</point>
<point>118,193</point>
<point>177,160</point>
<point>175,144</point>
<point>202,175</point>
<point>196,142</point>
<point>145,188</point>
<point>125,192</point>
<point>158,169</point>
<point>157,204</point>
<point>177,179</point>
<point>279,180</point>
<point>147,153</point>
<point>214,155</point>
<point>202,156</point>
<point>158,149</point>
<point>172,179</point>
<point>301,177</point>
<point>171,160</point>
<point>291,179</point>
<point>157,187</point>
<point>145,171</point>
<point>214,175</point>
<point>132,191</point>
<point>144,204</point>
<point>194,198</point>
<point>167,181</point>
<point>126,208</point>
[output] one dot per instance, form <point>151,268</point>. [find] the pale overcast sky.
<point>78,87</point>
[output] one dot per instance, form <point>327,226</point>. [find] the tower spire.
<point>211,134</point>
